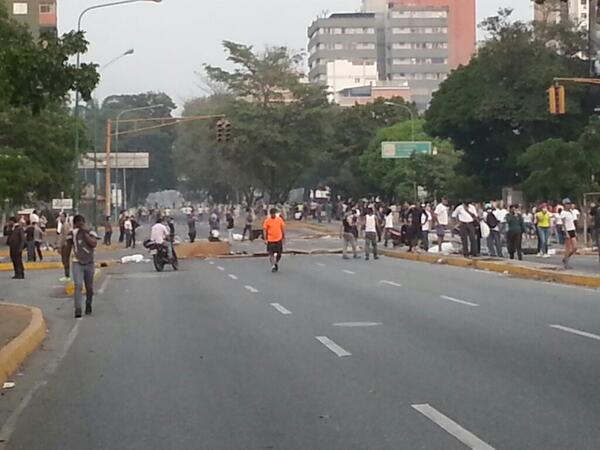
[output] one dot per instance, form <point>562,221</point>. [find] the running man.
<point>274,228</point>
<point>568,219</point>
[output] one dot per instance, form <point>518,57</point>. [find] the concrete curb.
<point>533,273</point>
<point>17,350</point>
<point>51,265</point>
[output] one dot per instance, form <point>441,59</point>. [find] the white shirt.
<point>462,215</point>
<point>159,233</point>
<point>528,218</point>
<point>34,218</point>
<point>501,215</point>
<point>557,219</point>
<point>575,213</point>
<point>426,221</point>
<point>389,220</point>
<point>127,225</point>
<point>441,212</point>
<point>568,219</point>
<point>370,224</point>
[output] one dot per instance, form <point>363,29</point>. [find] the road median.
<point>27,338</point>
<point>508,267</point>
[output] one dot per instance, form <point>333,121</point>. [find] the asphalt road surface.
<point>327,354</point>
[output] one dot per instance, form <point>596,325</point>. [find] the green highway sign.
<point>398,150</point>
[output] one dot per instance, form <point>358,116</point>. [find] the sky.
<point>173,39</point>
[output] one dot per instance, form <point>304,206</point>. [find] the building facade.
<point>411,44</point>
<point>554,11</point>
<point>39,15</point>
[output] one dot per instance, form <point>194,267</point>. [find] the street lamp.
<point>125,111</point>
<point>78,65</point>
<point>410,111</point>
<point>102,69</point>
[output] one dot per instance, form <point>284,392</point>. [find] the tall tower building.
<point>375,6</point>
<point>39,15</point>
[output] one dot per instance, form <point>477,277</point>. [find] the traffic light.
<point>227,131</point>
<point>557,100</point>
<point>220,129</point>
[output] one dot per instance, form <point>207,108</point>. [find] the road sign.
<point>138,160</point>
<point>397,150</point>
<point>62,203</point>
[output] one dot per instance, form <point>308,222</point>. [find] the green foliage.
<point>397,178</point>
<point>496,107</point>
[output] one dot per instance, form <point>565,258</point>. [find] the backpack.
<point>491,220</point>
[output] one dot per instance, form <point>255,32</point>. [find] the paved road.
<point>201,359</point>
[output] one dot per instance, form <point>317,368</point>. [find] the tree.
<point>398,178</point>
<point>496,107</point>
<point>279,124</point>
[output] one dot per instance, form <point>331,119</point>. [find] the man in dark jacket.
<point>514,234</point>
<point>16,243</point>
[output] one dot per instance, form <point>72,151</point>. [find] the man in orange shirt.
<point>274,228</point>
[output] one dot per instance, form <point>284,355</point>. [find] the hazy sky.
<point>173,39</point>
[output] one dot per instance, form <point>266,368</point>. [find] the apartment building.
<point>39,15</point>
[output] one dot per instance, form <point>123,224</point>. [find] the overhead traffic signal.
<point>223,129</point>
<point>557,100</point>
<point>227,131</point>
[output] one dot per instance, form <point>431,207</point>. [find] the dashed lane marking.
<point>357,324</point>
<point>349,272</point>
<point>281,309</point>
<point>251,289</point>
<point>390,283</point>
<point>577,332</point>
<point>339,351</point>
<point>221,268</point>
<point>444,422</point>
<point>457,300</point>
<point>232,276</point>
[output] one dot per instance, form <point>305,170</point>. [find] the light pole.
<point>125,111</point>
<point>102,69</point>
<point>410,111</point>
<point>78,65</point>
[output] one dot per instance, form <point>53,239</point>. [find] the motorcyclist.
<point>160,233</point>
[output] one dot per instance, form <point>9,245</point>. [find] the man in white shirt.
<point>370,234</point>
<point>568,219</point>
<point>389,225</point>
<point>128,227</point>
<point>159,232</point>
<point>426,220</point>
<point>440,218</point>
<point>466,214</point>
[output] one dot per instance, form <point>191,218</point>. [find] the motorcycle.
<point>161,256</point>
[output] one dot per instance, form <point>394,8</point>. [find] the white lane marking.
<point>212,263</point>
<point>251,289</point>
<point>104,284</point>
<point>577,332</point>
<point>232,276</point>
<point>349,272</point>
<point>457,300</point>
<point>281,309</point>
<point>464,436</point>
<point>221,268</point>
<point>333,346</point>
<point>390,283</point>
<point>320,264</point>
<point>9,426</point>
<point>357,324</point>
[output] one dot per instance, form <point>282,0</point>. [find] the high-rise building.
<point>412,44</point>
<point>554,11</point>
<point>39,15</point>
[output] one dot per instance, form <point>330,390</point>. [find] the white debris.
<point>237,237</point>
<point>8,385</point>
<point>132,259</point>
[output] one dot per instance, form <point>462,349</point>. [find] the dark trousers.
<point>132,239</point>
<point>468,239</point>
<point>30,246</point>
<point>514,244</point>
<point>38,249</point>
<point>16,256</point>
<point>127,238</point>
<point>370,243</point>
<point>107,237</point>
<point>192,235</point>
<point>121,234</point>
<point>64,254</point>
<point>494,243</point>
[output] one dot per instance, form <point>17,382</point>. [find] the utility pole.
<point>107,171</point>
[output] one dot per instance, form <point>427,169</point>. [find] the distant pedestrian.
<point>440,217</point>
<point>595,214</point>
<point>82,244</point>
<point>122,219</point>
<point>426,220</point>
<point>38,239</point>
<point>16,242</point>
<point>107,231</point>
<point>274,235</point>
<point>466,215</point>
<point>30,241</point>
<point>371,226</point>
<point>134,226</point>
<point>514,234</point>
<point>494,239</point>
<point>64,230</point>
<point>248,225</point>
<point>128,230</point>
<point>543,223</point>
<point>415,227</point>
<point>230,225</point>
<point>388,226</point>
<point>191,223</point>
<point>349,233</point>
<point>571,232</point>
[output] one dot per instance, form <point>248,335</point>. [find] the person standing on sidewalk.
<point>134,226</point>
<point>568,219</point>
<point>371,234</point>
<point>389,226</point>
<point>230,225</point>
<point>191,223</point>
<point>128,228</point>
<point>440,218</point>
<point>107,231</point>
<point>82,243</point>
<point>274,235</point>
<point>494,240</point>
<point>514,234</point>
<point>543,223</point>
<point>30,242</point>
<point>348,233</point>
<point>16,243</point>
<point>38,238</point>
<point>122,219</point>
<point>466,215</point>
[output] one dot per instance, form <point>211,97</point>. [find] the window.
<point>338,46</point>
<point>20,9</point>
<point>365,46</point>
<point>419,14</point>
<point>47,8</point>
<point>401,45</point>
<point>357,80</point>
<point>336,30</point>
